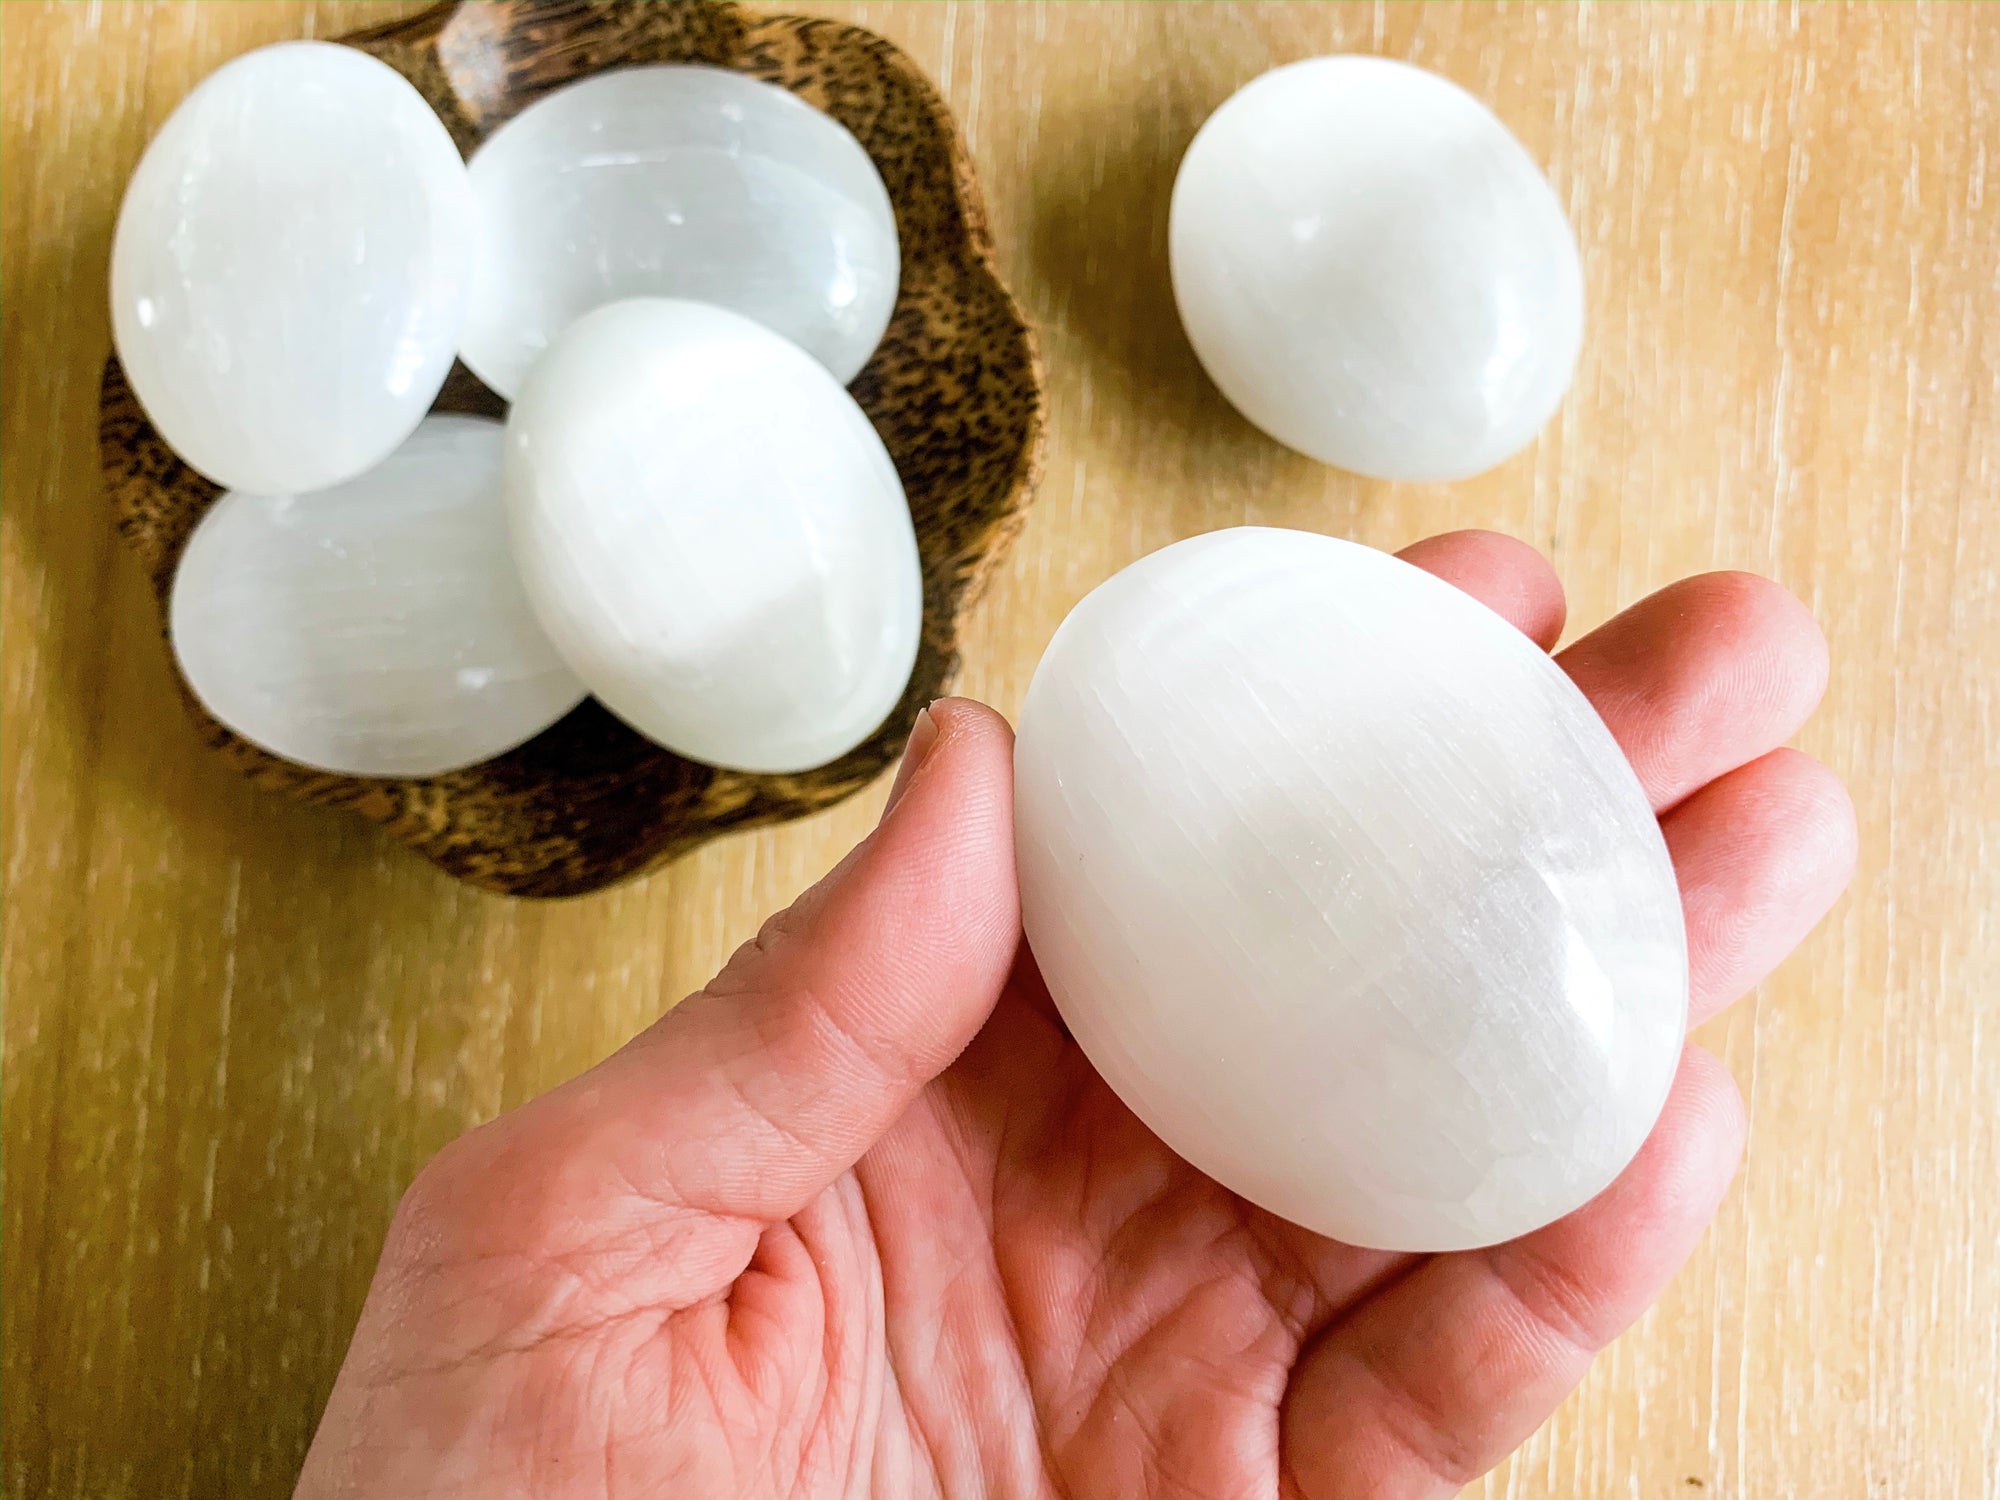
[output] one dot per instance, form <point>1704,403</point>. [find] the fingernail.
<point>923,735</point>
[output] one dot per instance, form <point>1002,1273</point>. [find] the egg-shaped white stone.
<point>713,535</point>
<point>1347,891</point>
<point>1374,271</point>
<point>376,628</point>
<point>678,181</point>
<point>290,269</point>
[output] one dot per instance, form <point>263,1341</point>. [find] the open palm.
<point>861,1219</point>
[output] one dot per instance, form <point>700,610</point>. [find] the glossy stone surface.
<point>1374,271</point>
<point>290,268</point>
<point>377,628</point>
<point>713,535</point>
<point>1347,891</point>
<point>678,181</point>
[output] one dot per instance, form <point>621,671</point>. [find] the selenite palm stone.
<point>376,628</point>
<point>713,535</point>
<point>678,181</point>
<point>1347,891</point>
<point>1374,271</point>
<point>290,269</point>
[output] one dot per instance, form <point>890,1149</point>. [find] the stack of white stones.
<point>669,271</point>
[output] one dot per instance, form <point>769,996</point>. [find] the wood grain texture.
<point>954,389</point>
<point>234,1026</point>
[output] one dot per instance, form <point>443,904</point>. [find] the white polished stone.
<point>713,535</point>
<point>1374,271</point>
<point>678,181</point>
<point>290,268</point>
<point>1347,891</point>
<point>377,628</point>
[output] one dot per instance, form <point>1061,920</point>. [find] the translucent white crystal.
<point>678,181</point>
<point>377,628</point>
<point>1374,271</point>
<point>290,268</point>
<point>713,535</point>
<point>1347,891</point>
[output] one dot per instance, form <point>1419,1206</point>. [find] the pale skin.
<point>860,1219</point>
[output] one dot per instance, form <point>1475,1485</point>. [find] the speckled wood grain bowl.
<point>955,389</point>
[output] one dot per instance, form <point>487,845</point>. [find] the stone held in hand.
<point>1347,891</point>
<point>678,181</point>
<point>713,535</point>
<point>290,269</point>
<point>376,628</point>
<point>1374,271</point>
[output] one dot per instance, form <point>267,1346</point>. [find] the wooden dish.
<point>955,391</point>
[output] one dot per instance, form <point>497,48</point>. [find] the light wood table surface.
<point>235,1027</point>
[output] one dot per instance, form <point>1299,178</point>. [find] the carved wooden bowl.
<point>955,389</point>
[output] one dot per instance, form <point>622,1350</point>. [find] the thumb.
<point>750,1097</point>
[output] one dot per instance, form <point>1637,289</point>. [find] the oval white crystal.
<point>678,181</point>
<point>376,628</point>
<point>1347,891</point>
<point>290,268</point>
<point>1374,271</point>
<point>713,535</point>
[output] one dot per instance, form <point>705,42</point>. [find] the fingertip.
<point>1756,600</point>
<point>1751,610</point>
<point>1702,677</point>
<point>950,827</point>
<point>1823,815</point>
<point>953,806</point>
<point>1507,575</point>
<point>1761,854</point>
<point>1686,1164</point>
<point>1805,797</point>
<point>971,726</point>
<point>1706,1112</point>
<point>963,727</point>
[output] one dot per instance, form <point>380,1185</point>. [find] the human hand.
<point>859,1218</point>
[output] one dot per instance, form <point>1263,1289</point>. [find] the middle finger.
<point>1702,677</point>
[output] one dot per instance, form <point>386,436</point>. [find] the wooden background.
<point>235,1027</point>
